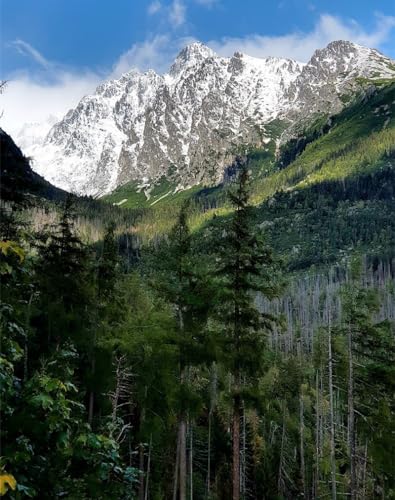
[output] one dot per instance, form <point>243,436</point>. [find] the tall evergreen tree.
<point>181,280</point>
<point>245,267</point>
<point>370,361</point>
<point>65,282</point>
<point>108,273</point>
<point>107,268</point>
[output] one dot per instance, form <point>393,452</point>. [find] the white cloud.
<point>53,90</point>
<point>154,7</point>
<point>153,53</point>
<point>26,49</point>
<point>301,45</point>
<point>177,13</point>
<point>50,91</point>
<point>173,14</point>
<point>27,100</point>
<point>156,53</point>
<point>32,98</point>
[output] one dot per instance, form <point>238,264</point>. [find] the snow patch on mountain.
<point>187,124</point>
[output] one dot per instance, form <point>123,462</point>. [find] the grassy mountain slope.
<point>357,142</point>
<point>332,148</point>
<point>325,194</point>
<point>131,195</point>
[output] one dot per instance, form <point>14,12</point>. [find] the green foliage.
<point>245,265</point>
<point>359,141</point>
<point>374,353</point>
<point>131,195</point>
<point>102,357</point>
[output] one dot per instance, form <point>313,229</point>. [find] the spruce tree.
<point>245,267</point>
<point>108,264</point>
<point>106,311</point>
<point>181,280</point>
<point>65,283</point>
<point>370,361</point>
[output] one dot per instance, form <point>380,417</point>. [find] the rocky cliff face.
<point>187,124</point>
<point>331,78</point>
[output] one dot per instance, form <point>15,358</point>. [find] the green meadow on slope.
<point>336,154</point>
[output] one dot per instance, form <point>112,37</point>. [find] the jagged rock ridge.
<point>186,125</point>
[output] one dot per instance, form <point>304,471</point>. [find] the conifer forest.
<point>230,340</point>
<point>197,365</point>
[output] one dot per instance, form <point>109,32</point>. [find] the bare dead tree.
<point>351,416</point>
<point>331,410</point>
<point>121,395</point>
<point>301,434</point>
<point>213,397</point>
<point>317,436</point>
<point>176,468</point>
<point>148,469</point>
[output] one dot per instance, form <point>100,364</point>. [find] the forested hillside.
<point>235,341</point>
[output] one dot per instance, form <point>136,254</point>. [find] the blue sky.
<point>55,51</point>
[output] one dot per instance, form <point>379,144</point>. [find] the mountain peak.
<point>338,49</point>
<point>342,45</point>
<point>196,49</point>
<point>192,54</point>
<point>342,56</point>
<point>344,49</point>
<point>136,127</point>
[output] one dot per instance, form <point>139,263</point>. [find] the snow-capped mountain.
<point>188,123</point>
<point>332,77</point>
<point>33,134</point>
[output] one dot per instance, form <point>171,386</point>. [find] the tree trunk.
<point>236,448</point>
<point>243,464</point>
<point>301,432</point>
<point>317,438</point>
<point>191,460</point>
<point>91,394</point>
<point>141,448</point>
<point>209,454</point>
<point>351,419</point>
<point>182,424</point>
<point>280,484</point>
<point>117,392</point>
<point>26,348</point>
<point>177,465</point>
<point>183,458</point>
<point>331,411</point>
<point>141,473</point>
<point>365,461</point>
<point>148,468</point>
